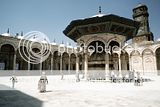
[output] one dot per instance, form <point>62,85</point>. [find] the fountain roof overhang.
<point>105,24</point>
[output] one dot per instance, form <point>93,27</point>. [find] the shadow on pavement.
<point>15,98</point>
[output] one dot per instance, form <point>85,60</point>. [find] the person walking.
<point>14,80</point>
<point>42,82</point>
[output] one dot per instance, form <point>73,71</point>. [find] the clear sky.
<point>52,16</point>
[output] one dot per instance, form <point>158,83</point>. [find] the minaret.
<point>140,14</point>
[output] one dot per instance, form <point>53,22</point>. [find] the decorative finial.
<point>99,9</point>
<point>17,34</point>
<point>21,33</point>
<point>54,41</point>
<point>8,30</point>
<point>34,36</point>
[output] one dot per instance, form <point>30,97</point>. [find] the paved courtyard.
<point>69,93</point>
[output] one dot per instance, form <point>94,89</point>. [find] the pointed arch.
<point>7,57</point>
<point>22,58</point>
<point>73,61</point>
<point>56,59</point>
<point>65,61</point>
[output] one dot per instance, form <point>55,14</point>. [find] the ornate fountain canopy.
<point>102,24</point>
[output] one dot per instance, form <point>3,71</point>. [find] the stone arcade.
<point>142,54</point>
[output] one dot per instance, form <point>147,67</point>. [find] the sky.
<point>52,16</point>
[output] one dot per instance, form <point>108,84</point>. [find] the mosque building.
<point>102,47</point>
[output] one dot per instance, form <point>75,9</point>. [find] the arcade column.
<point>14,61</point>
<point>106,63</point>
<point>86,65</point>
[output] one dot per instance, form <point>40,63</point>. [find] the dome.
<point>20,37</point>
<point>139,5</point>
<point>5,34</point>
<point>33,39</point>
<point>125,44</point>
<point>158,39</point>
<point>75,48</point>
<point>53,43</point>
<point>62,45</point>
<point>69,46</point>
<point>44,41</point>
<point>99,15</point>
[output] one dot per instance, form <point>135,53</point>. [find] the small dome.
<point>99,15</point>
<point>62,45</point>
<point>5,34</point>
<point>20,37</point>
<point>75,48</point>
<point>44,41</point>
<point>33,39</point>
<point>140,5</point>
<point>53,43</point>
<point>69,46</point>
<point>158,39</point>
<point>125,44</point>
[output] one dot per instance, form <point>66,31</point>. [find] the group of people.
<point>43,81</point>
<point>138,80</point>
<point>131,77</point>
